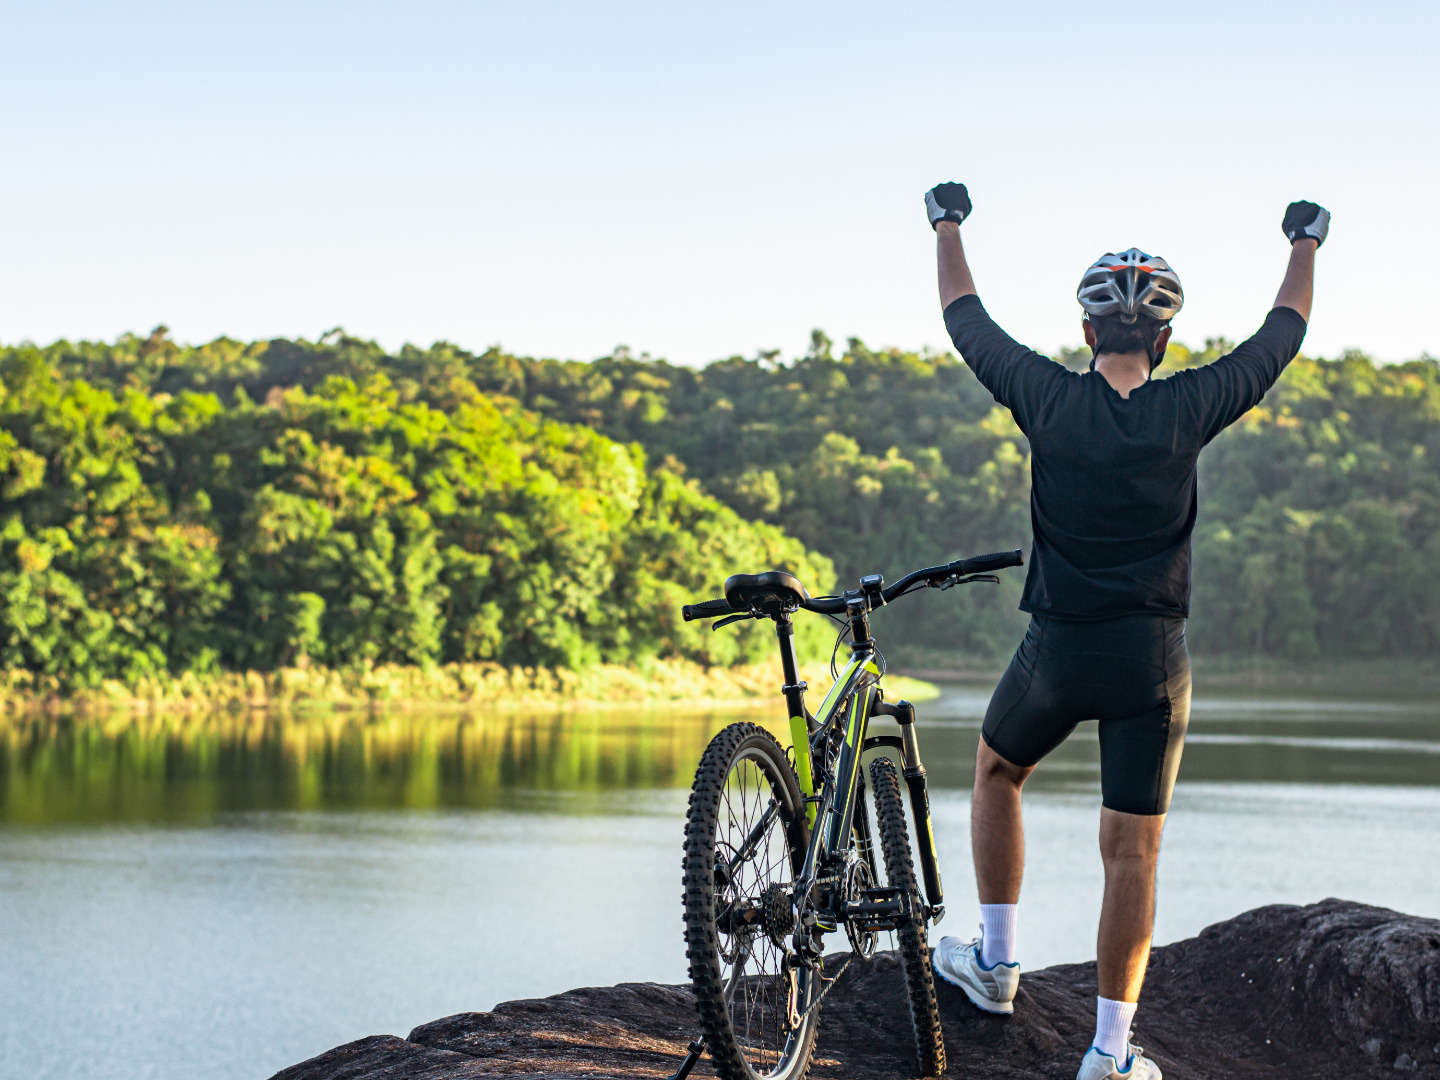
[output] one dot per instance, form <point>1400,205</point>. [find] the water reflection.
<point>188,768</point>
<point>306,881</point>
<point>185,768</point>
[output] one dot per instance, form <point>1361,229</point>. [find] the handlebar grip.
<point>981,564</point>
<point>707,609</point>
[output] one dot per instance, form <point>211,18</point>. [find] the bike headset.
<point>1128,286</point>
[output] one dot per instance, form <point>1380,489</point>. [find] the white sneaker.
<point>1100,1066</point>
<point>992,989</point>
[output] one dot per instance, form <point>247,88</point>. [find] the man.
<point>1112,506</point>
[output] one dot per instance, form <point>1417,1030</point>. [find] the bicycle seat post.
<point>794,689</point>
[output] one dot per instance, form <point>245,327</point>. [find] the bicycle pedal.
<point>878,908</point>
<point>881,893</point>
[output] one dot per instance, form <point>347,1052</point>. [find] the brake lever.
<point>735,618</point>
<point>966,580</point>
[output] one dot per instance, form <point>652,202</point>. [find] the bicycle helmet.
<point>1129,285</point>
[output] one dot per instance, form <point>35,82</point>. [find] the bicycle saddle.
<point>770,592</point>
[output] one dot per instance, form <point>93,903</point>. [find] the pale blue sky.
<point>562,178</point>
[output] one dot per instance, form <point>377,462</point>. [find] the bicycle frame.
<point>845,713</point>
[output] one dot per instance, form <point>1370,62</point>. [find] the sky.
<point>703,181</point>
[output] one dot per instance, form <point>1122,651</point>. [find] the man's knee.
<point>1132,839</point>
<point>991,768</point>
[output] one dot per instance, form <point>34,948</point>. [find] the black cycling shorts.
<point>1131,673</point>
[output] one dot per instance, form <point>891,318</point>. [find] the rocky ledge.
<point>1332,991</point>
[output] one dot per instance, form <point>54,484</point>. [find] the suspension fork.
<point>913,770</point>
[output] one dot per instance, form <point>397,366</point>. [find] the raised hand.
<point>1306,221</point>
<point>947,202</point>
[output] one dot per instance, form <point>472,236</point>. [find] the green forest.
<point>254,506</point>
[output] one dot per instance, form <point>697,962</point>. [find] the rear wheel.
<point>744,842</point>
<point>914,949</point>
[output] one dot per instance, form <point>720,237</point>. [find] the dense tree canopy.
<point>340,522</point>
<point>254,504</point>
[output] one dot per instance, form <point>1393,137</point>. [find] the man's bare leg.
<point>1129,847</point>
<point>987,971</point>
<point>997,834</point>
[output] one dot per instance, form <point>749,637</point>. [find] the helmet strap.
<point>1155,357</point>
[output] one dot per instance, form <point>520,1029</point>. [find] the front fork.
<point>914,772</point>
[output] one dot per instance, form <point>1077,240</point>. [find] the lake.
<point>224,897</point>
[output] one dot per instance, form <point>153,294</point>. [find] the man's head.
<point>1108,334</point>
<point>1129,299</point>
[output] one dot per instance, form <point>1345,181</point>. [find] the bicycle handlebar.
<point>835,605</point>
<point>981,564</point>
<point>707,609</point>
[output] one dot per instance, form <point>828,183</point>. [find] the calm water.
<point>224,898</point>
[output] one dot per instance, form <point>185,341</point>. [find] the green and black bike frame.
<point>842,723</point>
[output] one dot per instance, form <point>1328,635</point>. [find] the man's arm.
<point>955,278</point>
<point>947,205</point>
<point>1222,392</point>
<point>1017,377</point>
<point>1297,291</point>
<point>1305,225</point>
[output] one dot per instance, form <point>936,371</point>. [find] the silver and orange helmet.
<point>1129,285</point>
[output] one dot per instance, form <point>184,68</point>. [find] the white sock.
<point>997,933</point>
<point>1112,1028</point>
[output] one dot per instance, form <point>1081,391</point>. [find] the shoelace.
<point>1136,1051</point>
<point>973,943</point>
<point>978,942</point>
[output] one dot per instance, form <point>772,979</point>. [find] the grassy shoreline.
<point>672,684</point>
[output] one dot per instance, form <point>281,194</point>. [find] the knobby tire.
<point>914,949</point>
<point>704,827</point>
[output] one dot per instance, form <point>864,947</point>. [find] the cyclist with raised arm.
<point>1113,505</point>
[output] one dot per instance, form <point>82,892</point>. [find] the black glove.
<point>947,202</point>
<point>1306,221</point>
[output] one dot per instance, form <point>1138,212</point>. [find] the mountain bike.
<point>779,847</point>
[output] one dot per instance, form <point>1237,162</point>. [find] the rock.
<point>1315,992</point>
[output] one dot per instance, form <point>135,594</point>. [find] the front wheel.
<point>745,841</point>
<point>914,949</point>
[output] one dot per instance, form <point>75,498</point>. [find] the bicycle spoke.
<point>757,978</point>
